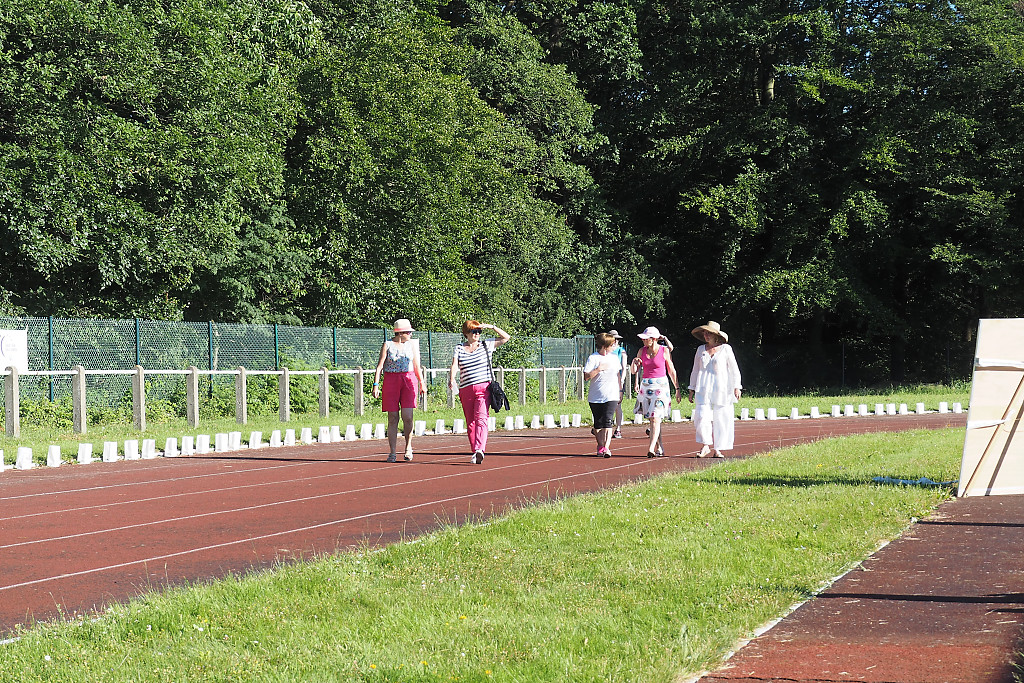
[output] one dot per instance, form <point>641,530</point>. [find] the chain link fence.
<point>63,343</point>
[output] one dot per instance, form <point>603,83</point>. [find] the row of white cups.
<point>232,441</point>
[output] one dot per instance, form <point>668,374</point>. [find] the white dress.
<point>713,380</point>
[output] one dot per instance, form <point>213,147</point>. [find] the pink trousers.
<point>477,412</point>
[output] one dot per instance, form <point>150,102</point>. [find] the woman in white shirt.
<point>403,380</point>
<point>603,370</point>
<point>715,387</point>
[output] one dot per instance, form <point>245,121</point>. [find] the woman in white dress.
<point>715,387</point>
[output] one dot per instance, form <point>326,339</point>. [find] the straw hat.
<point>713,328</point>
<point>403,325</point>
<point>650,333</point>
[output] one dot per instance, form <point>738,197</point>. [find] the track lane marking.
<point>278,534</point>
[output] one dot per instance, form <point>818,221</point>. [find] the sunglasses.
<point>476,331</point>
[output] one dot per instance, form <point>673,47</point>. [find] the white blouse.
<point>715,378</point>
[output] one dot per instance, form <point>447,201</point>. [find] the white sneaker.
<point>704,451</point>
<point>478,457</point>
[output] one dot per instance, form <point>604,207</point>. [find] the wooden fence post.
<point>357,392</point>
<point>192,396</point>
<point>139,398</point>
<point>543,385</point>
<point>284,411</point>
<point>522,386</point>
<point>79,417</point>
<point>241,397</point>
<point>325,393</point>
<point>425,391</point>
<point>562,376</point>
<point>12,404</point>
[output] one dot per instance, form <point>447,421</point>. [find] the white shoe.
<point>478,457</point>
<point>704,451</point>
<point>660,452</point>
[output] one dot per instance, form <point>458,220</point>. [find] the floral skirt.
<point>655,397</point>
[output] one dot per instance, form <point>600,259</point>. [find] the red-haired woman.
<point>471,366</point>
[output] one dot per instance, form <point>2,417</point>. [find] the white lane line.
<point>290,501</point>
<point>276,482</point>
<point>263,537</point>
<point>184,494</point>
<point>248,508</point>
<point>147,482</point>
<point>369,457</point>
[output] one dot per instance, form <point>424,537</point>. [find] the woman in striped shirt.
<point>471,365</point>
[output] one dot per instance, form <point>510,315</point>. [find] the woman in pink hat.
<point>715,386</point>
<point>653,391</point>
<point>403,379</point>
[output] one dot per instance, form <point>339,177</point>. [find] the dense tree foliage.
<point>813,171</point>
<point>806,172</point>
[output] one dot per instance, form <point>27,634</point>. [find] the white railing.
<point>79,388</point>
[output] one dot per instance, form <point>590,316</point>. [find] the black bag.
<point>496,397</point>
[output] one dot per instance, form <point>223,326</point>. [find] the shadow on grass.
<point>798,481</point>
<point>785,481</point>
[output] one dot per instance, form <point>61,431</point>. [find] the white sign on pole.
<point>993,459</point>
<point>14,349</point>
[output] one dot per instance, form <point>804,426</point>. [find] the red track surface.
<point>944,602</point>
<point>75,538</point>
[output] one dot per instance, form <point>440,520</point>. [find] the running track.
<point>78,537</point>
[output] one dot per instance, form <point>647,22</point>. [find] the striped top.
<point>473,367</point>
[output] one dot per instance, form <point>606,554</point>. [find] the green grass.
<point>642,583</point>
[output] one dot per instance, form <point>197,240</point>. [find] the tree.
<point>141,157</point>
<point>813,171</point>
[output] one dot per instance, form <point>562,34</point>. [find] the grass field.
<point>647,582</point>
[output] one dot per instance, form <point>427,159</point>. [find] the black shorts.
<point>604,414</point>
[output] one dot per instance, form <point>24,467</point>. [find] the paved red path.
<point>944,602</point>
<point>75,538</point>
